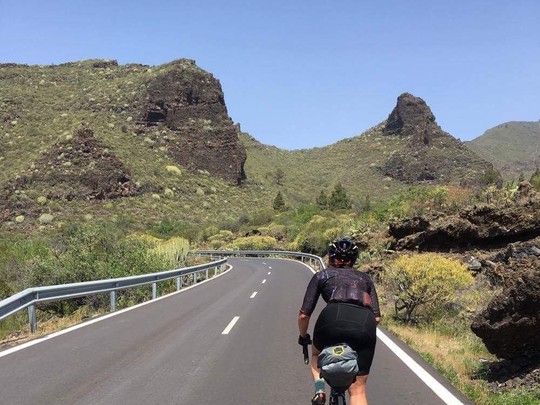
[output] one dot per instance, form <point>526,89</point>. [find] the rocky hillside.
<point>409,148</point>
<point>429,153</point>
<point>502,243</point>
<point>512,147</point>
<point>84,137</point>
<point>94,138</point>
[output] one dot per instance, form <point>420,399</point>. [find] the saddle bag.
<point>338,365</point>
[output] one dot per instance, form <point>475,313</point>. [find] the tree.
<point>535,179</point>
<point>338,199</point>
<point>322,200</point>
<point>424,280</point>
<point>279,176</point>
<point>279,202</point>
<point>366,204</point>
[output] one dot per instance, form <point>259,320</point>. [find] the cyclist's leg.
<point>314,357</point>
<point>357,391</point>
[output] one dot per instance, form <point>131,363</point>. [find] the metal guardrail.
<point>315,262</point>
<point>31,296</point>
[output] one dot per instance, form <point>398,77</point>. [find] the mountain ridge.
<point>152,118</point>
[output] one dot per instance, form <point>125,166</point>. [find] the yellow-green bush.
<point>174,251</point>
<point>256,242</point>
<point>424,281</point>
<point>223,234</point>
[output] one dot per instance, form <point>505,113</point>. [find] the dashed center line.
<point>269,272</point>
<point>230,325</point>
<point>253,295</point>
<point>264,281</point>
<point>269,267</point>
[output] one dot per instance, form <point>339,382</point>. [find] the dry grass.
<point>18,332</point>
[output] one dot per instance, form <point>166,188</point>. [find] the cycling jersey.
<point>341,285</point>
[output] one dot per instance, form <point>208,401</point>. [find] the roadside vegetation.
<point>437,326</point>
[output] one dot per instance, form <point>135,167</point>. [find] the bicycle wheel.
<point>337,398</point>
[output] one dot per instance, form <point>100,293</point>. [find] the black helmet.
<point>344,249</point>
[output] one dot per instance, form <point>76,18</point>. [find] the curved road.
<point>228,341</point>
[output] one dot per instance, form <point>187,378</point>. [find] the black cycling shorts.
<point>351,324</point>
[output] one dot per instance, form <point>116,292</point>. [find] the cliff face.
<point>430,154</point>
<point>190,102</point>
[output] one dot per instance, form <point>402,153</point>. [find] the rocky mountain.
<point>91,137</point>
<point>512,147</point>
<point>429,154</point>
<point>176,108</point>
<point>408,148</point>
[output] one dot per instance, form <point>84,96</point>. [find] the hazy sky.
<point>300,74</point>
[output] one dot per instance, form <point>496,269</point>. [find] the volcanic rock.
<point>190,102</point>
<point>481,225</point>
<point>430,154</point>
<point>81,168</point>
<point>510,325</point>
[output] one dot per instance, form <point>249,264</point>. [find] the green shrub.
<point>535,179</point>
<point>424,281</point>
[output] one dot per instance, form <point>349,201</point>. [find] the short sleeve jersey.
<point>341,285</point>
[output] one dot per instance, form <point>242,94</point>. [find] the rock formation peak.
<point>412,118</point>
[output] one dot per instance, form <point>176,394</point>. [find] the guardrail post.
<point>206,274</point>
<point>32,318</point>
<point>154,291</point>
<point>178,283</point>
<point>113,300</point>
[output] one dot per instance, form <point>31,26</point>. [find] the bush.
<point>424,281</point>
<point>92,252</point>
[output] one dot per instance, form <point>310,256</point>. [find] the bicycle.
<point>337,397</point>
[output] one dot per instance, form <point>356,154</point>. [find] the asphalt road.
<point>228,341</point>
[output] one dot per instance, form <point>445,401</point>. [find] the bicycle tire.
<point>337,398</point>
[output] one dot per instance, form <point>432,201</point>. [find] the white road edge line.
<point>427,378</point>
<point>439,390</point>
<point>253,295</point>
<point>230,325</point>
<point>102,318</point>
<point>264,281</point>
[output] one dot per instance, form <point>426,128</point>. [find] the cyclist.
<point>350,316</point>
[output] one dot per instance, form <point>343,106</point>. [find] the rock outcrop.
<point>502,243</point>
<point>190,102</point>
<point>510,325</point>
<point>430,154</point>
<point>81,168</point>
<point>481,226</point>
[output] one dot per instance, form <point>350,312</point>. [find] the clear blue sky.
<point>300,74</point>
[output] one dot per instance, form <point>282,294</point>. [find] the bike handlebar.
<point>306,354</point>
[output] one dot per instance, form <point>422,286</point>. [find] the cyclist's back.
<point>350,316</point>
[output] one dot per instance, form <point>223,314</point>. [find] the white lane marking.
<point>269,272</point>
<point>270,267</point>
<point>253,295</point>
<point>447,397</point>
<point>264,281</point>
<point>230,325</point>
<point>436,387</point>
<point>102,318</point>
<point>264,262</point>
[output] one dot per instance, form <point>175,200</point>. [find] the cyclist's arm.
<point>375,302</point>
<point>303,323</point>
<point>308,305</point>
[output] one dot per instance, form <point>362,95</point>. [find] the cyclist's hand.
<point>304,340</point>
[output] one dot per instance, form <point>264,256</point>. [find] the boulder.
<point>510,325</point>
